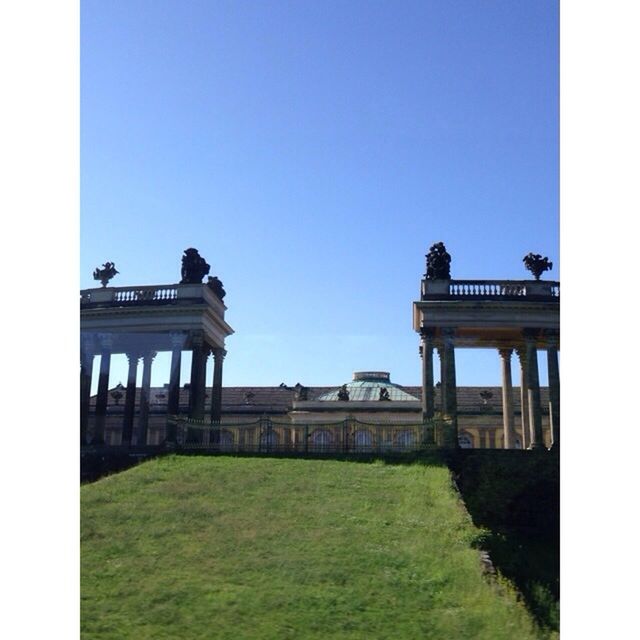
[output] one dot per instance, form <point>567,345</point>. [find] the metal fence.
<point>349,436</point>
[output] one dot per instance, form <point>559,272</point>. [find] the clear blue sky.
<point>313,151</point>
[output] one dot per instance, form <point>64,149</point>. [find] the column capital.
<point>530,335</point>
<point>551,338</point>
<point>427,333</point>
<point>178,338</point>
<point>218,352</point>
<point>505,354</point>
<point>106,341</point>
<point>87,344</point>
<point>149,355</point>
<point>197,338</point>
<point>133,355</point>
<point>522,353</point>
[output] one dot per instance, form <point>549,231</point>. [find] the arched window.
<point>222,438</point>
<point>465,441</point>
<point>362,440</point>
<point>405,439</point>
<point>321,439</point>
<point>268,440</point>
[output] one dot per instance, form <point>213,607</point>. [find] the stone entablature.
<point>157,311</point>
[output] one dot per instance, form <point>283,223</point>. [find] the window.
<point>321,439</point>
<point>465,441</point>
<point>362,440</point>
<point>405,439</point>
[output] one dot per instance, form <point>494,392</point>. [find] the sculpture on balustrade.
<point>438,262</point>
<point>106,273</point>
<point>384,394</point>
<point>535,263</point>
<point>343,393</point>
<point>215,284</point>
<point>194,267</point>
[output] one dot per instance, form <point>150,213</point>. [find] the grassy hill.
<point>188,548</point>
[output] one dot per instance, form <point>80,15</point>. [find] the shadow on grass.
<point>514,496</point>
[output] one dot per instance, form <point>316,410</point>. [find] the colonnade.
<point>531,412</point>
<point>102,346</point>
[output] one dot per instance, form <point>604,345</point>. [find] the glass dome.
<point>367,385</point>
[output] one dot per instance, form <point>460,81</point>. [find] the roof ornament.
<point>384,394</point>
<point>215,284</point>
<point>438,262</point>
<point>301,392</point>
<point>106,273</point>
<point>535,263</point>
<point>194,267</point>
<point>343,393</point>
<point>117,394</point>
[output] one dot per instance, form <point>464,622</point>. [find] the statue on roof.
<point>343,393</point>
<point>384,394</point>
<point>194,267</point>
<point>215,284</point>
<point>106,273</point>
<point>301,392</point>
<point>535,263</point>
<point>438,262</point>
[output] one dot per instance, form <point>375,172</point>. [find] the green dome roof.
<point>366,386</point>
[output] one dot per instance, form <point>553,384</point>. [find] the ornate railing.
<point>129,295</point>
<point>145,294</point>
<point>438,289</point>
<point>327,438</point>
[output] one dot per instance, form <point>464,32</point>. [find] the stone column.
<point>554,390</point>
<point>449,401</point>
<point>426,352</point>
<point>524,397</point>
<point>173,395</point>
<point>533,392</point>
<point>438,435</point>
<point>216,387</point>
<point>440,350</point>
<point>507,399</point>
<point>86,370</point>
<point>130,398</point>
<point>199,354</point>
<point>106,344</point>
<point>143,422</point>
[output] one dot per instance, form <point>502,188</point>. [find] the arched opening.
<point>321,439</point>
<point>465,441</point>
<point>405,439</point>
<point>362,440</point>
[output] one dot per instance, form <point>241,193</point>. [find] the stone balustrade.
<point>483,289</point>
<point>146,294</point>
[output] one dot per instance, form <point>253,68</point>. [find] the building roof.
<point>280,399</point>
<point>367,386</point>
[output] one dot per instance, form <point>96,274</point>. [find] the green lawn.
<point>186,548</point>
